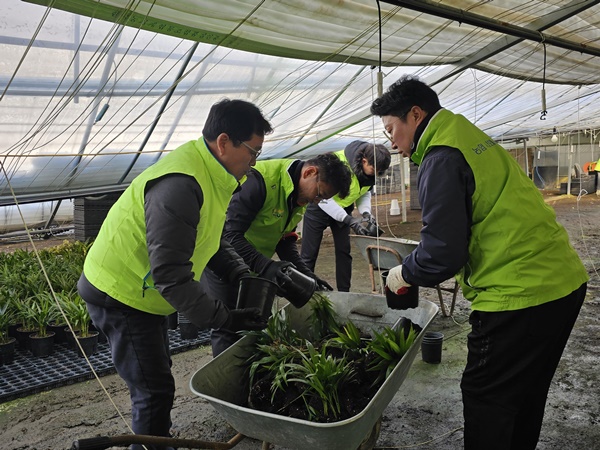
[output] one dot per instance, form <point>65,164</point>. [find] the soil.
<point>426,413</point>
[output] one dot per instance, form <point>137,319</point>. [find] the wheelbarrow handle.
<point>103,442</point>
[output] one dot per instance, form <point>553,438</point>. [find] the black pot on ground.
<point>89,344</point>
<point>42,346</point>
<point>59,333</point>
<point>23,338</point>
<point>12,329</point>
<point>7,351</point>
<point>101,336</point>
<point>69,340</point>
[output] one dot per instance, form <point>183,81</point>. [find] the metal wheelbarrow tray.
<point>223,381</point>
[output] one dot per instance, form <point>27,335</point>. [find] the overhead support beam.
<point>462,16</point>
<point>501,44</point>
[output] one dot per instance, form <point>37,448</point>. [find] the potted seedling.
<point>7,343</point>
<point>27,324</point>
<point>79,317</point>
<point>42,311</point>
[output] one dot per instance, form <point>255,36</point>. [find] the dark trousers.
<point>220,339</point>
<point>512,358</point>
<point>139,345</point>
<point>315,222</point>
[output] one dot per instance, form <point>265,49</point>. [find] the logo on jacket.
<point>278,212</point>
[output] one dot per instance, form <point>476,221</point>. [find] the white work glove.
<point>395,282</point>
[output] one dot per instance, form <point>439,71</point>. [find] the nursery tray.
<point>224,383</point>
<point>382,259</point>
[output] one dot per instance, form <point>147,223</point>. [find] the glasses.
<point>255,153</point>
<point>319,196</point>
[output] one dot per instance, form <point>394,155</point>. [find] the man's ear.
<point>309,171</point>
<point>221,140</point>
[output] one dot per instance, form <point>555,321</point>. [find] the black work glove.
<point>322,285</point>
<point>355,224</point>
<point>275,271</point>
<point>367,217</point>
<point>238,273</point>
<point>245,319</point>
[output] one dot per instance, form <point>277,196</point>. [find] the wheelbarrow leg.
<point>103,442</point>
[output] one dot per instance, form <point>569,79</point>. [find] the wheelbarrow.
<point>384,253</point>
<point>224,382</point>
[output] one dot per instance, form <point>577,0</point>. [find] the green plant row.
<point>26,298</point>
<point>327,376</point>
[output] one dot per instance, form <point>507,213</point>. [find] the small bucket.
<point>301,288</point>
<point>431,347</point>
<point>404,301</point>
<point>256,292</point>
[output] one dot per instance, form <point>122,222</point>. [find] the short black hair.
<point>237,118</point>
<point>401,96</point>
<point>377,155</point>
<point>334,172</point>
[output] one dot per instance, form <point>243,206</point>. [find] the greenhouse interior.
<point>94,92</point>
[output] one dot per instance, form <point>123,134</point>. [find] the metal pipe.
<point>160,111</point>
<point>476,20</point>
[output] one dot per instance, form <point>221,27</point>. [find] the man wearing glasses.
<point>486,223</point>
<point>262,218</point>
<point>365,160</point>
<point>154,245</point>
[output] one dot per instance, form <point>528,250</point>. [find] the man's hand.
<point>395,282</point>
<point>276,272</point>
<point>367,217</point>
<point>322,285</point>
<point>355,224</point>
<point>245,319</point>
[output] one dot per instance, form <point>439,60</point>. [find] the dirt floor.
<point>426,413</point>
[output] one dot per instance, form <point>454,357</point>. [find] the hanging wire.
<point>544,110</point>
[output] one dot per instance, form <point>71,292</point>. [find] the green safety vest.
<point>118,262</point>
<point>274,220</point>
<point>519,255</point>
<point>355,190</point>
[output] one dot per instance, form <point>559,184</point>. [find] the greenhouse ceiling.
<point>93,91</point>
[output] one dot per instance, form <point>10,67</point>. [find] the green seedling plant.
<point>389,346</point>
<point>323,318</point>
<point>7,313</point>
<point>324,377</point>
<point>42,311</point>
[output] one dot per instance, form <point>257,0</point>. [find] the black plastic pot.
<point>403,301</point>
<point>187,330</point>
<point>300,289</point>
<point>22,336</point>
<point>88,343</point>
<point>431,347</point>
<point>256,292</point>
<point>7,351</point>
<point>42,346</point>
<point>59,333</point>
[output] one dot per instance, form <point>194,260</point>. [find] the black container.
<point>7,351</point>
<point>88,343</point>
<point>373,229</point>
<point>256,292</point>
<point>172,321</point>
<point>404,301</point>
<point>187,330</point>
<point>42,347</point>
<point>300,289</point>
<point>431,347</point>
